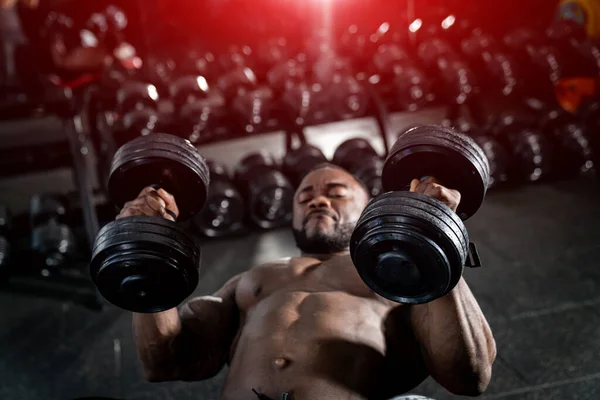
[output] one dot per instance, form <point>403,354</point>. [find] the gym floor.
<point>539,288</point>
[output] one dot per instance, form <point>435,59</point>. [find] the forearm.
<point>155,335</point>
<point>456,339</point>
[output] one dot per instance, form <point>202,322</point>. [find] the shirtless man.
<point>308,328</point>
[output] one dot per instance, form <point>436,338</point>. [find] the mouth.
<point>319,214</point>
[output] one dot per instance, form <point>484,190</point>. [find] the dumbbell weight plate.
<point>394,265</point>
<point>271,200</point>
<point>370,174</point>
<point>498,159</point>
<point>168,161</point>
<point>452,158</point>
<point>391,232</point>
<point>44,207</point>
<point>223,212</point>
<point>298,162</point>
<point>145,264</point>
<point>344,152</point>
<point>134,95</point>
<point>447,218</point>
<point>269,193</point>
<point>54,241</point>
<point>260,161</point>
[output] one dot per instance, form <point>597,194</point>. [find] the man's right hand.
<point>151,202</point>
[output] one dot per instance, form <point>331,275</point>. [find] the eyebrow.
<point>331,185</point>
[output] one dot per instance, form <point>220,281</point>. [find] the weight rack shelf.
<point>75,152</point>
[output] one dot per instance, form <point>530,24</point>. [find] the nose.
<point>319,202</point>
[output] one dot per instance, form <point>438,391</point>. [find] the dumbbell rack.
<point>72,284</point>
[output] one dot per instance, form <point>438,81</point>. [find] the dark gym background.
<point>540,245</point>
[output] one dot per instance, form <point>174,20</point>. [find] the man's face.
<point>327,206</point>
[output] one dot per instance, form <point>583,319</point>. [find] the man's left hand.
<point>431,187</point>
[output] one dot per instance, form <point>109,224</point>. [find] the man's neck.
<point>326,256</point>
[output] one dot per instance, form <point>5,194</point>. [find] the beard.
<point>322,243</point>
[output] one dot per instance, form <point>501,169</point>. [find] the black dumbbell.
<point>52,240</point>
<point>61,28</point>
<point>356,43</point>
<point>237,81</point>
<point>399,81</point>
<point>188,90</point>
<point>203,64</point>
<point>137,108</point>
<point>254,109</point>
<point>567,30</point>
<point>104,26</point>
<point>577,58</point>
<point>272,52</point>
<point>411,248</point>
<point>135,95</point>
<point>268,192</point>
<point>315,103</point>
<point>235,57</point>
<point>538,64</point>
<point>497,156</point>
<point>150,264</point>
<point>5,249</point>
<point>307,103</point>
<point>286,74</point>
<point>359,158</point>
<point>529,149</point>
<point>224,211</point>
<point>197,107</point>
<point>298,162</point>
<point>571,142</point>
<point>456,81</point>
<point>349,97</point>
<point>495,68</point>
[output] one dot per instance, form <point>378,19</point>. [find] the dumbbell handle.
<point>171,213</point>
<point>422,179</point>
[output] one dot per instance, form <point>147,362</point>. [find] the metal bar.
<point>381,116</point>
<point>80,149</point>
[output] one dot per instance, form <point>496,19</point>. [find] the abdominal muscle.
<point>323,345</point>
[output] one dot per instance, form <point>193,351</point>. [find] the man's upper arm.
<point>209,326</point>
<point>456,342</point>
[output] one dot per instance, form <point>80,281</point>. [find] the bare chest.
<point>301,274</point>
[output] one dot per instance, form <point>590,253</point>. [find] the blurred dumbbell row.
<point>531,145</point>
<point>537,142</point>
<point>456,62</point>
<point>276,83</point>
<point>260,191</point>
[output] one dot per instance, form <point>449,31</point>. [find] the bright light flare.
<point>383,28</point>
<point>202,84</point>
<point>448,21</point>
<point>415,25</point>
<point>152,92</point>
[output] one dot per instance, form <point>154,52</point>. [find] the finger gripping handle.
<point>170,212</point>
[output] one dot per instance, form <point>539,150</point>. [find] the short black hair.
<point>324,165</point>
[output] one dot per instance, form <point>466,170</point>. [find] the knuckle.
<point>127,212</point>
